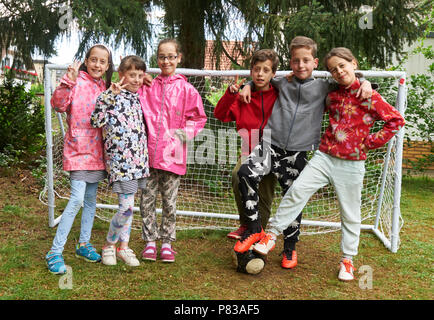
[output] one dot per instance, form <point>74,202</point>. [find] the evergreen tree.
<point>333,23</point>
<point>32,26</point>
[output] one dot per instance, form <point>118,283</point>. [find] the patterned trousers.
<point>167,183</point>
<point>285,165</point>
<point>120,225</point>
<point>265,193</point>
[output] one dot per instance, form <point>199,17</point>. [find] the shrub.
<point>21,118</point>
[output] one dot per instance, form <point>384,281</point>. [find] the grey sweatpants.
<point>346,176</point>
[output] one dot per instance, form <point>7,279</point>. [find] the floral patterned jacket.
<point>351,120</point>
<point>124,135</point>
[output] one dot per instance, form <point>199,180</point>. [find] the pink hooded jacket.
<point>171,103</point>
<point>83,146</point>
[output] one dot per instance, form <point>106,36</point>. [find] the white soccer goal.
<point>205,196</point>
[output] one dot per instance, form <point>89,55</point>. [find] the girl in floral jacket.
<point>119,113</point>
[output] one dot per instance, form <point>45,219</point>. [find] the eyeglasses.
<point>170,58</point>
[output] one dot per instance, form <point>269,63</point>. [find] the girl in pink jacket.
<point>82,150</point>
<point>174,113</point>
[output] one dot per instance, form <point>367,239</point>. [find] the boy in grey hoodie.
<point>292,130</point>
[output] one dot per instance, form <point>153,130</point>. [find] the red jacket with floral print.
<point>351,120</point>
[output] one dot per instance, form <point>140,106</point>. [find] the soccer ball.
<point>248,262</point>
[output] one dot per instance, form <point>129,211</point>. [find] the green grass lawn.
<point>203,269</point>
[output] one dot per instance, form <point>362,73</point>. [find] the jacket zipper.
<point>159,121</point>
<point>295,115</point>
<point>263,117</point>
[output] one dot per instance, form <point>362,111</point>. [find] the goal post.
<point>205,197</point>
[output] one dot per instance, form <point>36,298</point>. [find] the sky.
<point>67,46</point>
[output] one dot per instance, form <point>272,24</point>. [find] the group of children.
<point>129,132</point>
<point>142,145</point>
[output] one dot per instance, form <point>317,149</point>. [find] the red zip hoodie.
<point>247,116</point>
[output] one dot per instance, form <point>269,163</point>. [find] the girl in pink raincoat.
<point>174,113</point>
<point>82,151</point>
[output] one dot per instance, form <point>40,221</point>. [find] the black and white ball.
<point>248,262</point>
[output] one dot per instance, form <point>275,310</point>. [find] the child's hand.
<point>365,90</point>
<point>245,94</point>
<point>116,87</point>
<point>289,76</point>
<point>72,71</point>
<point>363,148</point>
<point>236,86</point>
<point>147,79</point>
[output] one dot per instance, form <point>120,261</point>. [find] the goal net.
<point>205,198</point>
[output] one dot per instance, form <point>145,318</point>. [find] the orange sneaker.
<point>289,262</point>
<point>247,240</point>
<point>237,233</point>
<point>265,245</point>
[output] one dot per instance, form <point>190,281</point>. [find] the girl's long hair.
<point>109,72</point>
<point>340,52</point>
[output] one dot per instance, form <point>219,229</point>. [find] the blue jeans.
<point>81,193</point>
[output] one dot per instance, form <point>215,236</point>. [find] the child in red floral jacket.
<point>340,159</point>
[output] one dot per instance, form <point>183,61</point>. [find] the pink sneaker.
<point>167,255</point>
<point>149,253</point>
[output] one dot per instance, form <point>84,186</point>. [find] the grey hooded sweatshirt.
<point>295,122</point>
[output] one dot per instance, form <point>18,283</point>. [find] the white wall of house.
<point>417,63</point>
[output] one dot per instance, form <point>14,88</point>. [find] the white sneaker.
<point>265,245</point>
<point>108,256</point>
<point>346,270</point>
<point>128,256</point>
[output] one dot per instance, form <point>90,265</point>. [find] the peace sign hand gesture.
<point>116,87</point>
<point>72,71</point>
<point>236,86</point>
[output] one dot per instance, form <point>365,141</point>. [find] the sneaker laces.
<point>90,247</point>
<point>348,265</point>
<point>266,239</point>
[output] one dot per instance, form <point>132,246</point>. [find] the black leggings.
<point>285,165</point>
